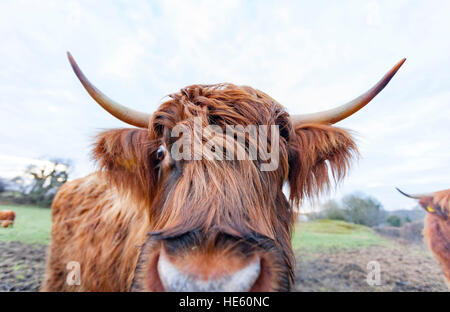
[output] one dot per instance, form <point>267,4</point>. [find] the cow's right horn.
<point>127,115</point>
<point>339,113</point>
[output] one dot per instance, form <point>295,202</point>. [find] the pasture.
<point>331,256</point>
<point>32,225</point>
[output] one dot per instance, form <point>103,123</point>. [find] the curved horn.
<point>415,196</point>
<point>121,112</point>
<point>337,114</point>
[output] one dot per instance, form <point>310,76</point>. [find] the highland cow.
<point>436,230</point>
<point>149,221</point>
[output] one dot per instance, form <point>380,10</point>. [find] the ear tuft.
<point>318,152</point>
<point>125,156</point>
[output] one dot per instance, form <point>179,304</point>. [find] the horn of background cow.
<point>339,113</point>
<point>415,196</point>
<point>121,112</point>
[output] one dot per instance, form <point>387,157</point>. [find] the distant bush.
<point>394,220</point>
<point>411,232</point>
<point>390,231</point>
<point>332,210</point>
<point>354,208</point>
<point>363,210</point>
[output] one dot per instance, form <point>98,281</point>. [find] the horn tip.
<point>401,192</point>
<point>71,59</point>
<point>414,196</point>
<point>399,64</point>
<point>75,67</point>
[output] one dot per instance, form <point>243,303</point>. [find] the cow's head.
<point>436,204</point>
<point>220,221</point>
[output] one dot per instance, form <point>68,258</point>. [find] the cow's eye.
<point>160,153</point>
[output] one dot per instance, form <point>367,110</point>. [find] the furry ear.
<point>314,150</point>
<point>127,157</point>
<point>442,198</point>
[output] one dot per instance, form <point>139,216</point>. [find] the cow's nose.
<point>175,279</point>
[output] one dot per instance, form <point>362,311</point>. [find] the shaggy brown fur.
<point>437,228</point>
<point>229,208</point>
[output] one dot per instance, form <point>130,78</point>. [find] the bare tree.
<point>46,179</point>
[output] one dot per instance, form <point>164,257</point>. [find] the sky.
<point>309,56</point>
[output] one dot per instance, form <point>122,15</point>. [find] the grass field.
<point>322,234</point>
<point>32,225</point>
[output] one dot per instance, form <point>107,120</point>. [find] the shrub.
<point>388,231</point>
<point>412,231</point>
<point>332,210</point>
<point>394,221</point>
<point>354,208</point>
<point>363,210</point>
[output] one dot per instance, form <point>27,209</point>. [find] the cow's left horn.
<point>337,114</point>
<point>415,196</point>
<point>121,112</point>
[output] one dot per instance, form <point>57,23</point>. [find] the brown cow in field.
<point>7,218</point>
<point>436,231</point>
<point>151,221</point>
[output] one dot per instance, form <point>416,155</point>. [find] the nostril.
<point>263,283</point>
<point>174,279</point>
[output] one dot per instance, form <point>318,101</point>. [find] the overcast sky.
<point>309,56</point>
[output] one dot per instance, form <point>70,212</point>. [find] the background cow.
<point>148,222</point>
<point>437,226</point>
<point>7,218</point>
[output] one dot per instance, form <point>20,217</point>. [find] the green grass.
<point>32,225</point>
<point>322,234</point>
